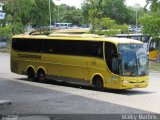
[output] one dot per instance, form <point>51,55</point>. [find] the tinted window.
<point>83,48</point>
<point>153,44</point>
<point>111,57</point>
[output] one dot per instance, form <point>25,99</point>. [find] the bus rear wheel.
<point>41,76</point>
<point>98,83</point>
<point>30,74</point>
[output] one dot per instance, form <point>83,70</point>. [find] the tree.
<point>114,9</point>
<point>40,13</point>
<point>20,13</point>
<point>94,12</point>
<point>91,12</point>
<point>151,25</point>
<point>15,10</point>
<point>155,5</point>
<point>85,13</point>
<point>151,22</point>
<point>117,10</point>
<point>137,10</point>
<point>70,14</point>
<point>109,27</point>
<point>5,33</point>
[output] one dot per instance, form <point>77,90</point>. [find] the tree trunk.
<point>92,24</point>
<point>92,17</point>
<point>158,59</point>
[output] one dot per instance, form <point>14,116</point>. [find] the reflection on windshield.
<point>134,60</point>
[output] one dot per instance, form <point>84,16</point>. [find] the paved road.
<point>31,98</point>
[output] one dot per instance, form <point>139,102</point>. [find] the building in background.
<point>2,14</point>
<point>1,6</point>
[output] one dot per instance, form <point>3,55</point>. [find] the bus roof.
<point>85,37</point>
<point>130,35</point>
<point>72,30</point>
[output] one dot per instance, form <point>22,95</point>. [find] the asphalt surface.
<point>28,99</point>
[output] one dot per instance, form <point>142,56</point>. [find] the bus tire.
<point>98,83</point>
<point>41,77</point>
<point>30,74</point>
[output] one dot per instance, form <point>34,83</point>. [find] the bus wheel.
<point>30,74</point>
<point>41,76</point>
<point>98,83</point>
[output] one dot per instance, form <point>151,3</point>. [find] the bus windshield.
<point>134,60</point>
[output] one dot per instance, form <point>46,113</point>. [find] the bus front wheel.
<point>98,83</point>
<point>41,76</point>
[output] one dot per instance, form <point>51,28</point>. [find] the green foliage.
<point>6,32</point>
<point>70,15</point>
<point>155,6</point>
<point>151,25</point>
<point>109,27</point>
<point>40,13</point>
<point>94,12</point>
<point>113,9</point>
<point>151,22</point>
<point>19,10</point>
<point>18,28</point>
<point>21,13</point>
<point>116,10</point>
<point>124,28</point>
<point>131,19</point>
<point>107,23</point>
<point>85,13</point>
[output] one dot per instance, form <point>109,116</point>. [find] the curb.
<point>154,71</point>
<point>5,102</point>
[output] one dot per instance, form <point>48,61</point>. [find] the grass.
<point>154,66</point>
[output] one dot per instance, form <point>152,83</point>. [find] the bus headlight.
<point>126,81</point>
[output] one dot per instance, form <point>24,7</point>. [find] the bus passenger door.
<point>111,58</point>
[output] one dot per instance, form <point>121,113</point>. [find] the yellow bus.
<point>116,63</point>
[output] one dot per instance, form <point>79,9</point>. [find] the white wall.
<point>1,6</point>
<point>3,44</point>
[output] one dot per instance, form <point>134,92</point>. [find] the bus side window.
<point>152,45</point>
<point>111,57</point>
<point>97,49</point>
<point>89,48</point>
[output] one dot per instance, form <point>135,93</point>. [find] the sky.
<point>77,3</point>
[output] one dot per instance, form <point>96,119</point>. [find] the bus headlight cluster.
<point>126,81</point>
